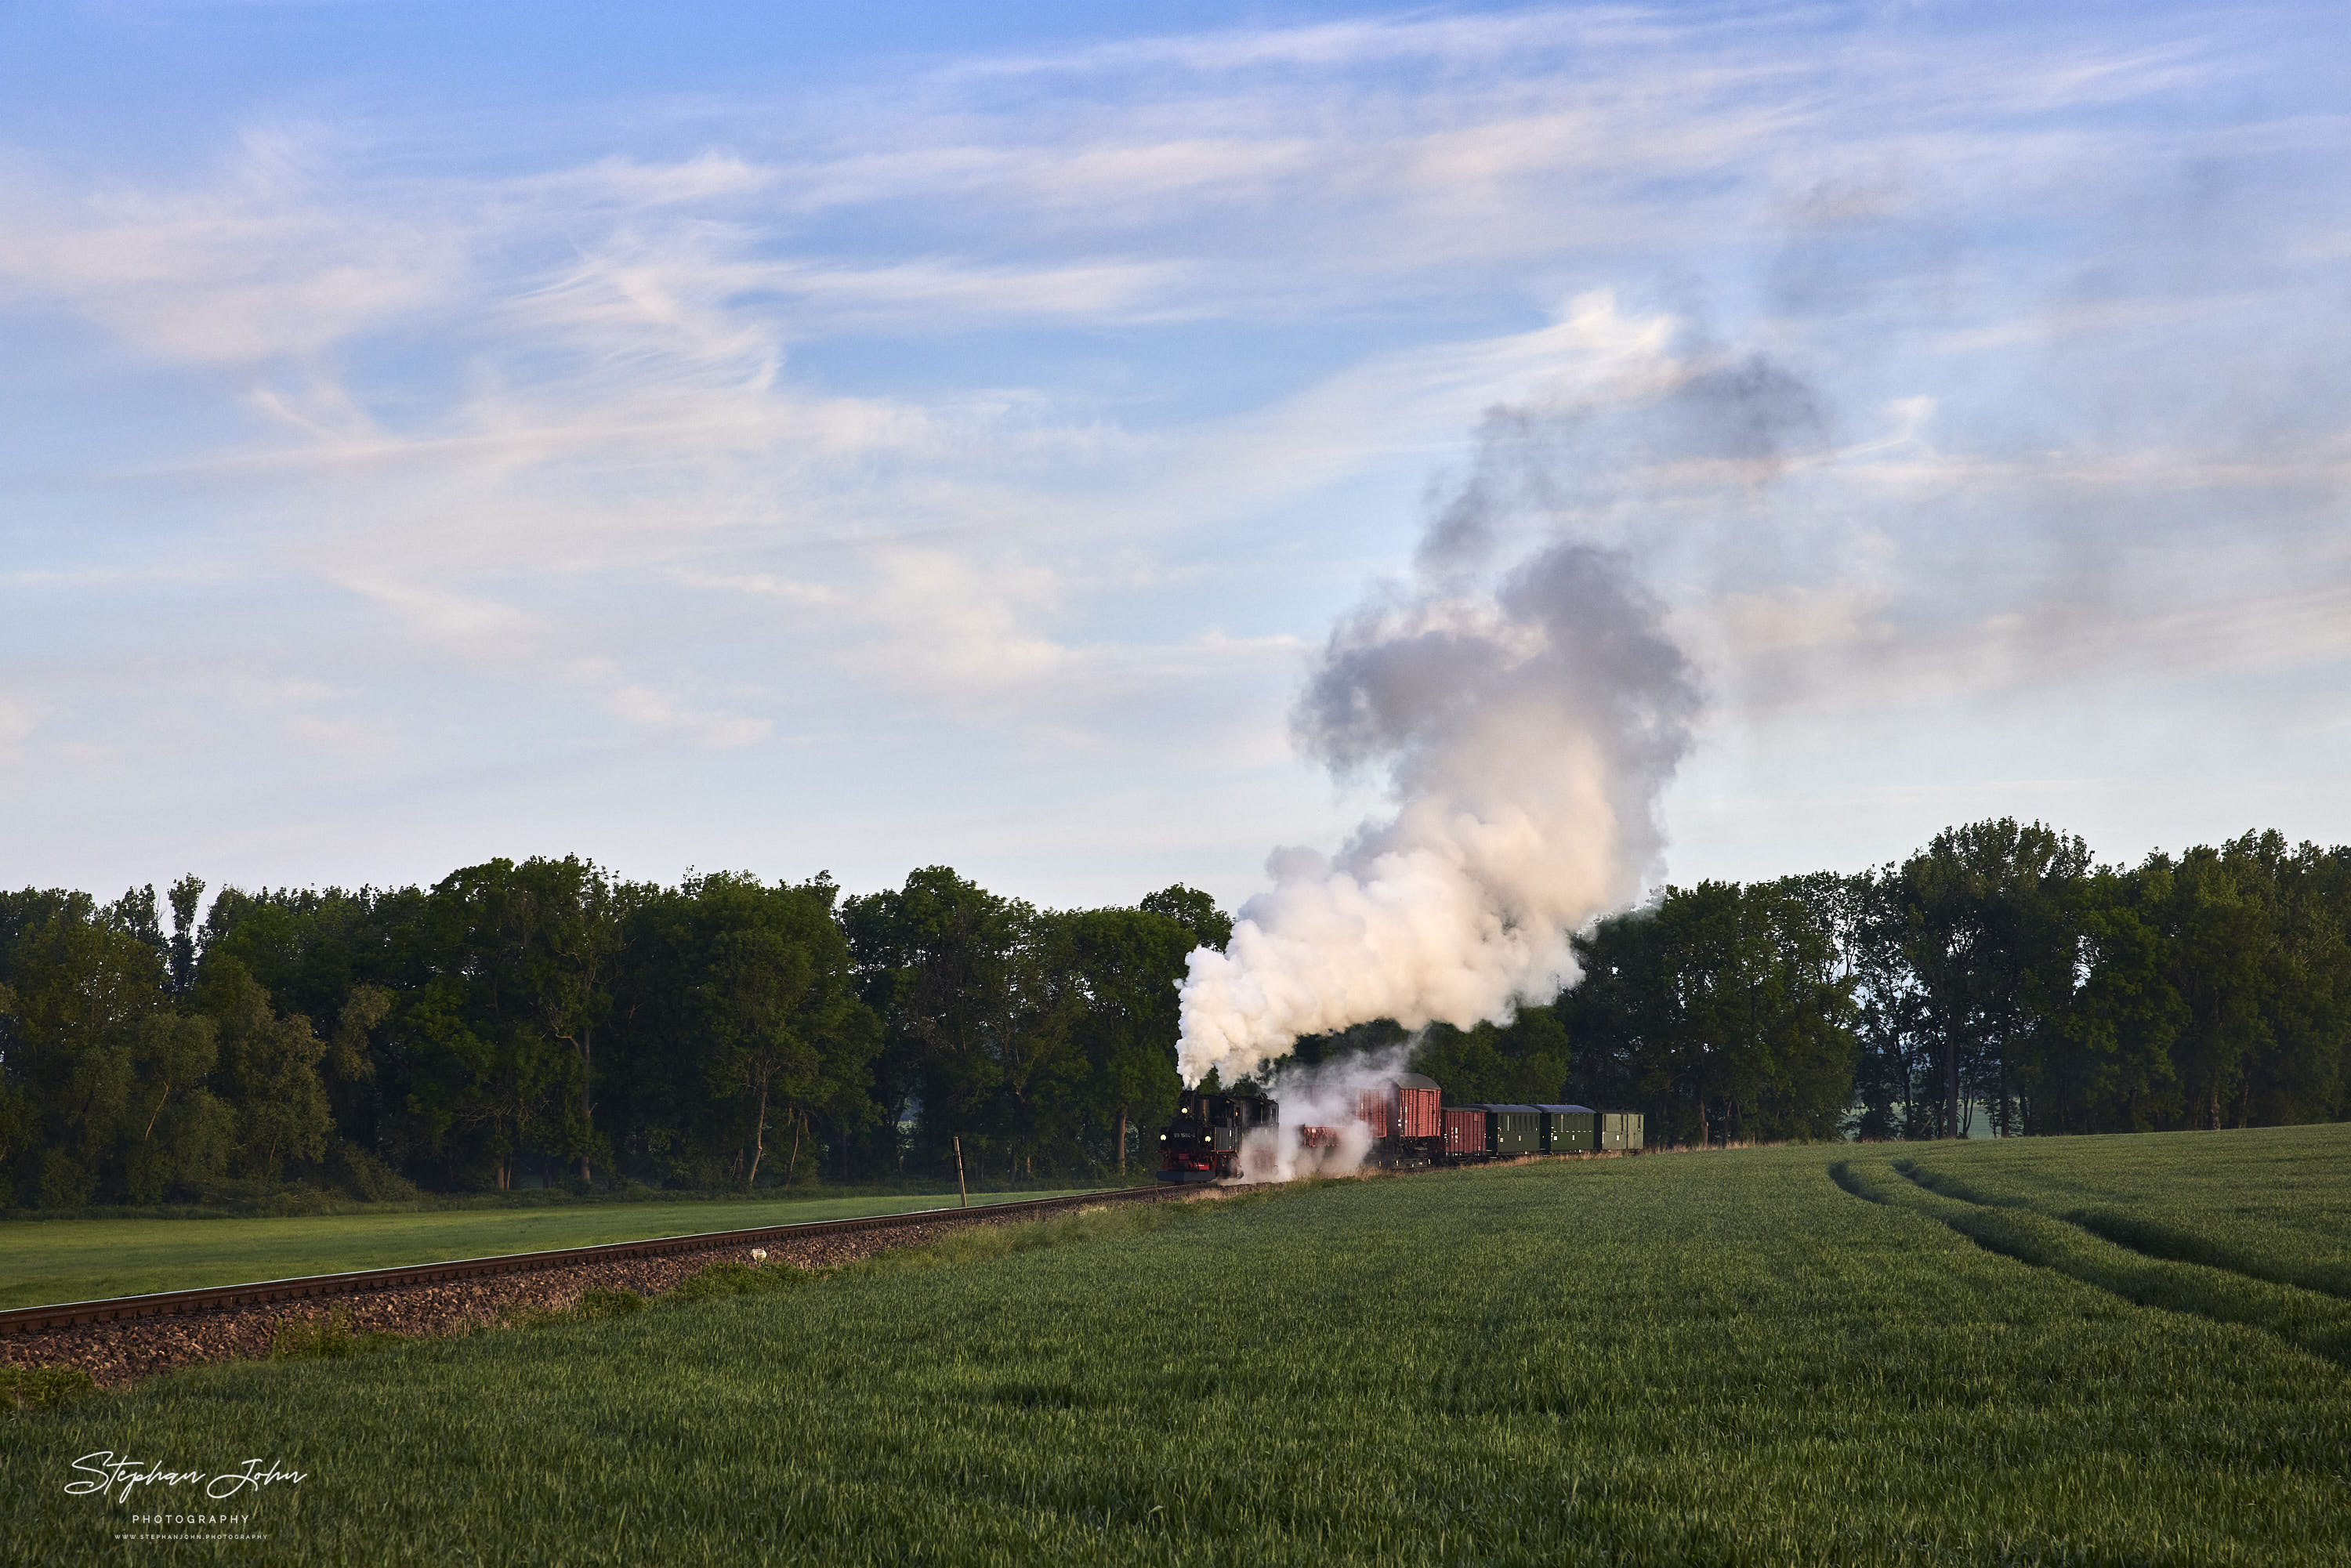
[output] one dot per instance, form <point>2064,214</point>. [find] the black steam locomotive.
<point>1203,1143</point>
<point>1408,1124</point>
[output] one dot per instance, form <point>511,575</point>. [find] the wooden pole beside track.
<point>961,1191</point>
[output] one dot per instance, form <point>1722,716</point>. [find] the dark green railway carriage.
<point>1518,1130</point>
<point>1570,1129</point>
<point>1622,1130</point>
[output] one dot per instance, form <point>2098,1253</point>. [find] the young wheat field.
<point>2110,1350</point>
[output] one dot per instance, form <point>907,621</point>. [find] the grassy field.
<point>1770,1356</point>
<point>46,1260</point>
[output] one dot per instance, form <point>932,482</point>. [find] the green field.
<point>47,1260</point>
<point>1771,1355</point>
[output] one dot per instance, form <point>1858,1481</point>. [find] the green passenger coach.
<point>1517,1130</point>
<point>1570,1129</point>
<point>1622,1130</point>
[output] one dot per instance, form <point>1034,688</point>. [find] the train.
<point>1406,1123</point>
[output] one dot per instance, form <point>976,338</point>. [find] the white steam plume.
<point>1528,720</point>
<point>1328,1095</point>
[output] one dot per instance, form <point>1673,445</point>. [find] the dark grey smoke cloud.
<point>1526,717</point>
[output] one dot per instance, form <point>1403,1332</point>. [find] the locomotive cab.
<point>1202,1142</point>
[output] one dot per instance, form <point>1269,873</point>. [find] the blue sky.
<point>854,438</point>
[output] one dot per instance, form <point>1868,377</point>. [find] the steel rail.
<point>213,1298</point>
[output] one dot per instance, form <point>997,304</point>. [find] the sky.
<point>856,438</point>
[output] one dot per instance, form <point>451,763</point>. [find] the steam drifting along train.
<point>1403,1121</point>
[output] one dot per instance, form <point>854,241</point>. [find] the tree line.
<point>546,1021</point>
<point>1997,980</point>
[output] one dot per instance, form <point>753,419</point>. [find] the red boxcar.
<point>1420,1108</point>
<point>1408,1106</point>
<point>1465,1132</point>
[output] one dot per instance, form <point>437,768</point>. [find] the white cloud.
<point>357,739</point>
<point>17,720</point>
<point>496,634</point>
<point>713,729</point>
<point>271,260</point>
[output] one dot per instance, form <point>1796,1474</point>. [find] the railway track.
<point>216,1298</point>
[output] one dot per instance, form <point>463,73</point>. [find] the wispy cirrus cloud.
<point>268,261</point>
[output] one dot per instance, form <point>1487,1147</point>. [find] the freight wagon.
<point>1465,1132</point>
<point>1406,1114</point>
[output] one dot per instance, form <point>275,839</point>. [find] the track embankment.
<point>120,1341</point>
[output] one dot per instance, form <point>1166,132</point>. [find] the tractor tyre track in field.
<point>2312,1321</point>
<point>2147,1238</point>
<point>2134,1233</point>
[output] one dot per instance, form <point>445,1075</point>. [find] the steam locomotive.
<point>1406,1121</point>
